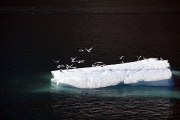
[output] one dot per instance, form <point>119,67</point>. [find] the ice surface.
<point>150,72</point>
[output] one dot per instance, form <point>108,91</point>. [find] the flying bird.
<point>98,62</point>
<point>56,61</point>
<point>138,58</point>
<point>89,50</point>
<point>68,66</point>
<point>121,57</point>
<point>60,66</point>
<point>81,61</point>
<point>81,50</point>
<point>73,59</point>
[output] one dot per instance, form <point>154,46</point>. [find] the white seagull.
<point>81,50</point>
<point>81,61</point>
<point>98,62</point>
<point>68,66</point>
<point>144,58</point>
<point>60,66</point>
<point>73,67</point>
<point>73,59</point>
<point>93,65</point>
<point>138,57</point>
<point>121,57</point>
<point>56,61</point>
<point>89,50</point>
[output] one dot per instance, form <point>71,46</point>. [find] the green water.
<point>41,84</point>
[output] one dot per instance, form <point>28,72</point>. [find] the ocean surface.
<point>33,35</point>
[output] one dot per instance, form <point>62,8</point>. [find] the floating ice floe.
<point>151,72</point>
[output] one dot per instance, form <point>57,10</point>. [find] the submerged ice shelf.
<point>151,72</point>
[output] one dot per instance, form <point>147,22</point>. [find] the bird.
<point>121,57</point>
<point>60,66</point>
<point>161,58</point>
<point>138,58</point>
<point>81,50</point>
<point>80,61</point>
<point>93,65</point>
<point>89,50</point>
<point>68,66</point>
<point>73,67</point>
<point>56,61</point>
<point>98,62</point>
<point>144,58</point>
<point>73,59</point>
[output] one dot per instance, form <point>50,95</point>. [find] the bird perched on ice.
<point>121,58</point>
<point>89,50</point>
<point>56,61</point>
<point>161,58</point>
<point>73,59</point>
<point>93,65</point>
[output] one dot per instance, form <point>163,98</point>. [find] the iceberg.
<point>151,72</point>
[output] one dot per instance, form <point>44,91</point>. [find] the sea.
<point>34,33</point>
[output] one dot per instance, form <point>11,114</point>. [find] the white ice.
<point>151,72</point>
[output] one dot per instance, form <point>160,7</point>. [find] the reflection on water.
<point>35,95</point>
<point>174,72</point>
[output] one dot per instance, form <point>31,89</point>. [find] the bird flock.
<point>73,60</point>
<point>99,63</point>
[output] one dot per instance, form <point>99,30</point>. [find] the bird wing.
<point>91,48</point>
<point>86,49</point>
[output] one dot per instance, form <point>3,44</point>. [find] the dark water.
<point>32,37</point>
